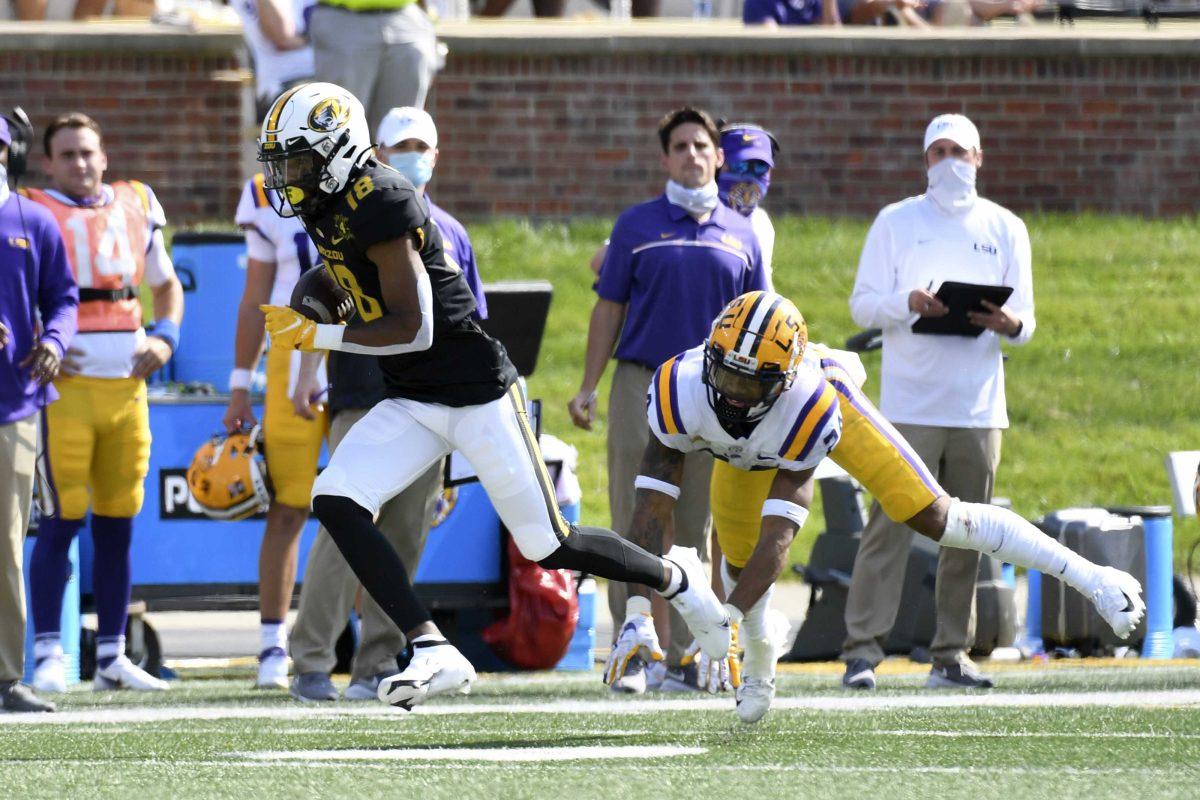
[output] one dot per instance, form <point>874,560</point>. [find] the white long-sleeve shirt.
<point>948,381</point>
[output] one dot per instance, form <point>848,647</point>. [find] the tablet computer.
<point>961,298</point>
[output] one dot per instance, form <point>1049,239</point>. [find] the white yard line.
<point>833,702</point>
<point>493,754</point>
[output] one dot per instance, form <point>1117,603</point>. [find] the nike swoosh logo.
<point>919,241</point>
<point>336,239</point>
<point>667,235</point>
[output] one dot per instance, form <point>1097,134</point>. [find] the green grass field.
<point>1106,388</point>
<point>1055,730</point>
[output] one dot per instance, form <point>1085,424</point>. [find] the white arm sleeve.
<point>876,301</point>
<point>329,337</point>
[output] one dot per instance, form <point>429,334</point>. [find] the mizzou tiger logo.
<point>329,115</point>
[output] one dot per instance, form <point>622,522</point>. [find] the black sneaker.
<point>959,675</point>
<point>860,674</point>
<point>19,698</point>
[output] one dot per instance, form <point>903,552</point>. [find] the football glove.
<point>715,675</point>
<point>638,639</point>
<point>289,329</point>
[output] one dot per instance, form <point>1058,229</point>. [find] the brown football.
<point>318,297</point>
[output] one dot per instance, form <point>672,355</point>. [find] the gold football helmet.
<point>751,355</point>
<point>228,475</point>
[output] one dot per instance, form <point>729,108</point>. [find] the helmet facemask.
<point>298,175</point>
<point>740,392</point>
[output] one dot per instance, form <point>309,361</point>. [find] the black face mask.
<point>736,397</point>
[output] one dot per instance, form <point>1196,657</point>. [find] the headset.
<point>21,130</point>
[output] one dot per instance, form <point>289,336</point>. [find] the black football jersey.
<point>464,366</point>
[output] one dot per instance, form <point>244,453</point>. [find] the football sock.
<point>108,649</point>
<point>375,562</point>
<point>602,553</point>
<point>758,660</point>
<point>47,645</point>
<point>49,570</point>
<point>272,634</point>
<point>999,532</point>
<point>111,574</point>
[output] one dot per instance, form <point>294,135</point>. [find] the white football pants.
<point>399,439</point>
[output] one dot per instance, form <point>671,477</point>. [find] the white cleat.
<point>124,674</point>
<point>272,669</point>
<point>704,614</point>
<point>754,698</point>
<point>50,675</point>
<point>1118,599</point>
<point>434,670</point>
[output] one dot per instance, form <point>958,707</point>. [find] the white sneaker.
<point>434,669</point>
<point>704,614</point>
<point>50,675</point>
<point>272,669</point>
<point>363,688</point>
<point>754,698</point>
<point>124,674</point>
<point>1118,599</point>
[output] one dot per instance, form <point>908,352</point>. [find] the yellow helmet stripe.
<point>809,422</point>
<point>277,110</point>
<point>668,403</point>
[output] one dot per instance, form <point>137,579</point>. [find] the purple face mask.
<point>742,191</point>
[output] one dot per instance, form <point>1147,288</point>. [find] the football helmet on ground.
<point>228,476</point>
<point>312,141</point>
<point>751,355</point>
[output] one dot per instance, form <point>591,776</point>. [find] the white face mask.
<point>952,185</point>
<point>695,201</point>
<point>3,183</point>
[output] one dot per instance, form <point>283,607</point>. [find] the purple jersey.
<point>35,284</point>
<point>791,12</point>
<point>457,247</point>
<point>676,275</point>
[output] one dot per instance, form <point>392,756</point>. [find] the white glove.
<point>715,675</point>
<point>637,639</point>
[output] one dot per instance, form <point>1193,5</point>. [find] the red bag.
<point>543,613</point>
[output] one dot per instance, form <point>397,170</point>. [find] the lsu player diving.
<point>98,433</point>
<point>278,251</point>
<point>770,407</point>
<point>450,386</point>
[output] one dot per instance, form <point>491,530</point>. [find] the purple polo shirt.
<point>457,245</point>
<point>676,275</point>
<point>35,279</point>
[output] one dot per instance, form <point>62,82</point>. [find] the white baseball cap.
<point>954,127</point>
<point>407,122</point>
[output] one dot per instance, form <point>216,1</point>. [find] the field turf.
<point>1054,730</point>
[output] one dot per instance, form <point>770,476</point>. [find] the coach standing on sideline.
<point>381,51</point>
<point>672,264</point>
<point>31,249</point>
<point>945,394</point>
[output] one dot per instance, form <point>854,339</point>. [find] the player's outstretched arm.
<point>658,480</point>
<point>784,513</point>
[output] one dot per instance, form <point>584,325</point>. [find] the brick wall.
<point>171,119</point>
<point>557,120</point>
<point>546,135</point>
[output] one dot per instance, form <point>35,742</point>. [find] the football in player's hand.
<point>318,297</point>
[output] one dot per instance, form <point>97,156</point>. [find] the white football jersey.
<point>275,239</point>
<point>800,429</point>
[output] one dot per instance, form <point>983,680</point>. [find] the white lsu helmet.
<point>312,140</point>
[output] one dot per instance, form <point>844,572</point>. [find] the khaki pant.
<point>628,433</point>
<point>330,585</point>
<point>18,452</point>
<point>964,461</point>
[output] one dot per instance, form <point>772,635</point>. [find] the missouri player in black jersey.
<point>450,387</point>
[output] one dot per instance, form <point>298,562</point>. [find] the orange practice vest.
<point>106,246</point>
